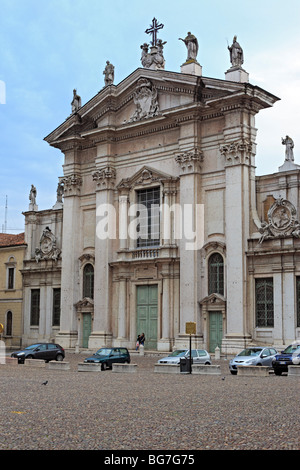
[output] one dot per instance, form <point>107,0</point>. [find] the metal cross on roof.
<point>153,30</point>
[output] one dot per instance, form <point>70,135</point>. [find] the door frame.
<point>133,306</point>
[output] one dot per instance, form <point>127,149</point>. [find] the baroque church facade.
<point>163,221</point>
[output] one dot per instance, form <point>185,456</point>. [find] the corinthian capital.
<point>237,152</point>
<point>190,160</point>
<point>72,184</point>
<point>105,178</point>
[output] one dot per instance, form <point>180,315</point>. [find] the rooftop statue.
<point>236,53</point>
<point>109,73</point>
<point>155,58</point>
<point>289,146</point>
<point>192,46</point>
<point>76,102</point>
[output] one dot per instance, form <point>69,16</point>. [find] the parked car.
<point>253,356</point>
<point>107,356</point>
<point>199,356</point>
<point>290,356</point>
<point>46,351</point>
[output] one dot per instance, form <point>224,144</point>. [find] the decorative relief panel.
<point>145,100</point>
<point>281,221</point>
<point>48,249</point>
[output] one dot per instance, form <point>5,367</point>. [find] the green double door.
<point>86,329</point>
<point>146,310</point>
<point>215,330</point>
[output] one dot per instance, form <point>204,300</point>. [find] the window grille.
<point>148,227</point>
<point>56,307</point>
<point>216,274</point>
<point>35,307</point>
<point>264,302</point>
<point>88,281</point>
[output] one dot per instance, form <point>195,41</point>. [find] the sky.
<point>50,47</point>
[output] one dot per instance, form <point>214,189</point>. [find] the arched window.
<point>216,274</point>
<point>8,328</point>
<point>88,281</point>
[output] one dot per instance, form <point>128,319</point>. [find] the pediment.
<point>86,304</point>
<point>213,299</point>
<point>145,177</point>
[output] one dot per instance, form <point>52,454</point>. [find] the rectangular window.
<point>35,307</point>
<point>56,307</point>
<point>11,278</point>
<point>298,300</point>
<point>149,218</point>
<point>264,301</point>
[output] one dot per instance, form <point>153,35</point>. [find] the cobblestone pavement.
<point>146,410</point>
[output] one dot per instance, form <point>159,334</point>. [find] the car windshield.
<point>103,352</point>
<point>33,346</point>
<point>250,352</point>
<point>178,352</point>
<point>292,348</point>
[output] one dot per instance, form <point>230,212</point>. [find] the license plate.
<point>282,362</point>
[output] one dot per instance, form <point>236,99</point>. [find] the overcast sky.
<point>49,47</point>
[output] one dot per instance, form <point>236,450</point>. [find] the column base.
<point>67,339</point>
<point>233,343</point>
<point>182,341</point>
<point>100,339</point>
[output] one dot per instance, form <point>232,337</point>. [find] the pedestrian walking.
<point>137,346</point>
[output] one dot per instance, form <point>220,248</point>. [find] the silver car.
<point>199,356</point>
<point>253,356</point>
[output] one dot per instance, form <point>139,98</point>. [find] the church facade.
<point>163,220</point>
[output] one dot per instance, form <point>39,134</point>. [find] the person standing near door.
<point>142,339</point>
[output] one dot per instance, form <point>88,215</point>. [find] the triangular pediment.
<point>144,177</point>
<point>213,299</point>
<point>145,98</point>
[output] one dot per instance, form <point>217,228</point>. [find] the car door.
<point>266,357</point>
<point>41,352</point>
<point>114,356</point>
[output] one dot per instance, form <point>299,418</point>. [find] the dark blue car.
<point>290,356</point>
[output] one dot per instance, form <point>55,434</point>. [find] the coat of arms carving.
<point>281,221</point>
<point>145,99</point>
<point>47,248</point>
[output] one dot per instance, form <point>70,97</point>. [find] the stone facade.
<point>186,143</point>
<point>12,251</point>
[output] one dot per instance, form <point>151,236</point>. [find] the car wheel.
<point>29,357</point>
<point>277,372</point>
<point>103,366</point>
<point>233,372</point>
<point>59,357</point>
<point>207,364</point>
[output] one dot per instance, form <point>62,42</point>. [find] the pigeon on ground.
<point>45,383</point>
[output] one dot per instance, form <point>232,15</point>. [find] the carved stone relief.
<point>145,100</point>
<point>281,221</point>
<point>105,178</point>
<point>47,248</point>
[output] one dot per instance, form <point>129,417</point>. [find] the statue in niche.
<point>236,53</point>
<point>289,146</point>
<point>76,102</point>
<point>192,46</point>
<point>109,73</point>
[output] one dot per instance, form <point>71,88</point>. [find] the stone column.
<point>68,333</point>
<point>238,156</point>
<point>123,220</point>
<point>105,235</point>
<point>189,162</point>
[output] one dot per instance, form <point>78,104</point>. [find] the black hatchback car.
<point>108,356</point>
<point>45,351</point>
<point>286,358</point>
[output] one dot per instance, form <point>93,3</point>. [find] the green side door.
<point>215,330</point>
<point>147,307</point>
<point>86,329</point>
